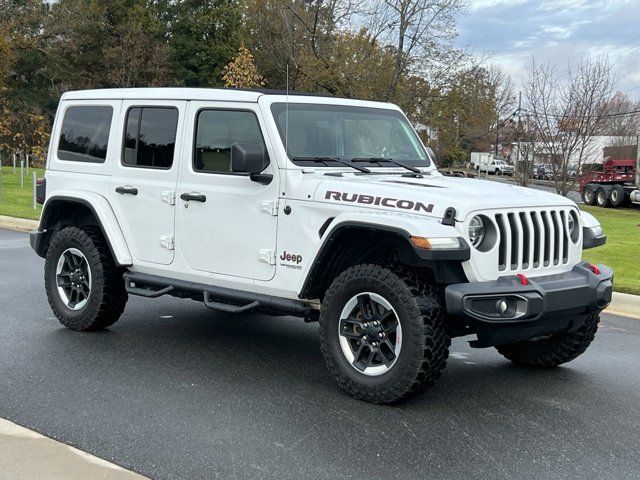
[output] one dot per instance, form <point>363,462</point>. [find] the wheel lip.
<point>344,343</point>
<point>61,293</point>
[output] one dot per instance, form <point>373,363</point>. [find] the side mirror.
<point>250,158</point>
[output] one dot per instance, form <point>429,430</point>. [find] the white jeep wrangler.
<point>323,208</point>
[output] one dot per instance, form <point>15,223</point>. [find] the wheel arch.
<point>355,242</point>
<point>82,209</point>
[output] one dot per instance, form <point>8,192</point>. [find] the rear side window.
<point>150,137</point>
<point>85,134</point>
<point>216,131</point>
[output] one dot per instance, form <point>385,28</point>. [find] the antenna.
<point>286,118</point>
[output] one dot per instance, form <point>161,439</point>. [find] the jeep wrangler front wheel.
<point>382,333</point>
<point>84,286</point>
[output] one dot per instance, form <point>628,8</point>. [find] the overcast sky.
<point>512,31</point>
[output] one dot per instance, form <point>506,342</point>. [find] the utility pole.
<point>497,133</point>
<point>524,173</point>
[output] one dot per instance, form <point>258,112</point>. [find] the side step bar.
<point>216,298</point>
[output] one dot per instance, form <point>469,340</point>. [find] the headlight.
<point>572,224</point>
<point>476,231</point>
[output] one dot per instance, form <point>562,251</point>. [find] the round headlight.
<point>476,231</point>
<point>572,224</point>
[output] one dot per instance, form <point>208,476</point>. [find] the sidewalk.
<point>625,305</point>
<point>22,224</point>
<point>27,455</point>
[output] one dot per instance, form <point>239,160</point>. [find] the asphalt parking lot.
<point>176,391</point>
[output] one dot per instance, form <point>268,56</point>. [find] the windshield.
<point>347,133</point>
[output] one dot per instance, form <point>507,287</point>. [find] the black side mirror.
<point>250,158</point>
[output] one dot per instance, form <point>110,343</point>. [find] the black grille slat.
<point>514,240</point>
<point>556,238</point>
<point>525,240</point>
<point>503,244</point>
<point>536,240</point>
<point>547,238</point>
<point>565,237</point>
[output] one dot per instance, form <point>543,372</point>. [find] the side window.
<point>216,131</point>
<point>150,137</point>
<point>85,134</point>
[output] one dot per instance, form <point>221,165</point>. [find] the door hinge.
<point>269,206</point>
<point>167,242</point>
<point>267,256</point>
<point>168,197</point>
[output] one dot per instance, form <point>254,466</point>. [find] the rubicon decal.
<point>384,201</point>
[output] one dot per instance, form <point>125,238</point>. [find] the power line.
<point>606,115</point>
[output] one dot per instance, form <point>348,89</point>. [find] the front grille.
<point>532,239</point>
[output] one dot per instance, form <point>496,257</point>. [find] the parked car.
<point>327,209</point>
<point>497,167</point>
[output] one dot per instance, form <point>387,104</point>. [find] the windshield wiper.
<point>324,160</point>
<point>387,160</point>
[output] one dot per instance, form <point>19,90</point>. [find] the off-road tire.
<point>555,350</point>
<point>617,196</point>
<point>108,296</point>
<point>425,344</point>
<point>589,194</point>
<point>602,197</point>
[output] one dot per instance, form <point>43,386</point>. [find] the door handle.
<point>127,190</point>
<point>195,197</point>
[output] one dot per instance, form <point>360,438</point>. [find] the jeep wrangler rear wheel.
<point>554,350</point>
<point>382,333</point>
<point>84,286</point>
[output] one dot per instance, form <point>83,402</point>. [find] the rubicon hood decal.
<point>383,201</point>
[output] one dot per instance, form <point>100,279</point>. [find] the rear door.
<point>145,175</point>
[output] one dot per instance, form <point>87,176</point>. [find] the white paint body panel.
<point>225,240</point>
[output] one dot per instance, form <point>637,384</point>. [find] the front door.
<point>144,178</point>
<point>226,222</point>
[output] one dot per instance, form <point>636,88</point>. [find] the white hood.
<point>431,195</point>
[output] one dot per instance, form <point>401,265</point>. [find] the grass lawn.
<point>622,250</point>
<point>17,201</point>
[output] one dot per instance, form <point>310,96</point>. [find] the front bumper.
<point>506,311</point>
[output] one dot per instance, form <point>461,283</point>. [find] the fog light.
<point>502,306</point>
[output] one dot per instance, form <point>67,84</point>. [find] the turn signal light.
<point>421,242</point>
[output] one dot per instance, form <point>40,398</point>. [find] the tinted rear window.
<point>85,134</point>
<point>150,137</point>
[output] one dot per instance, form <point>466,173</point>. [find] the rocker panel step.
<point>216,298</point>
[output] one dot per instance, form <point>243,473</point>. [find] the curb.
<point>20,224</point>
<point>624,304</point>
<point>25,454</point>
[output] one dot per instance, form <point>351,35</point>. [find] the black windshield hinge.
<point>449,217</point>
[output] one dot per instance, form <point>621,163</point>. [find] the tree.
<point>421,35</point>
<point>137,53</point>
<point>566,115</point>
<point>242,72</point>
<point>204,37</point>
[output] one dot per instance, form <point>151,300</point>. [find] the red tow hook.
<point>523,279</point>
<point>594,269</point>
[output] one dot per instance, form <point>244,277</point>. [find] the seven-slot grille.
<point>533,239</point>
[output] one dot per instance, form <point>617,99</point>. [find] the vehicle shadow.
<point>266,356</point>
